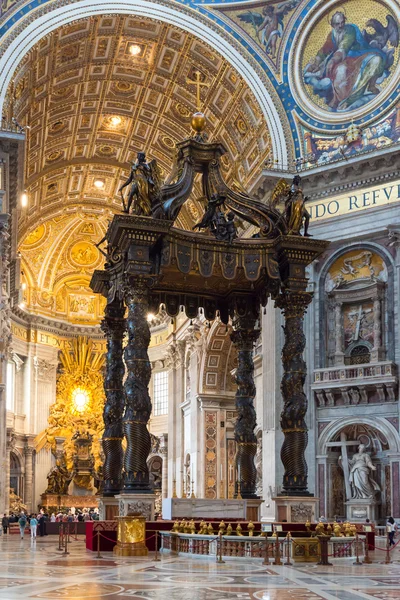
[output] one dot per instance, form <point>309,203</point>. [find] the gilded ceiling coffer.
<point>150,262</point>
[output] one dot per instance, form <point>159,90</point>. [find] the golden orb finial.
<point>198,122</point>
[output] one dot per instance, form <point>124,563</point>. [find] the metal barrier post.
<point>357,552</point>
<point>367,560</point>
<point>387,558</point>
<point>277,560</point>
<point>219,555</point>
<point>98,545</point>
<point>156,556</point>
<point>288,537</point>
<point>60,538</point>
<point>266,557</point>
<point>66,541</point>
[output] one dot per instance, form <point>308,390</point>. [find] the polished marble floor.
<point>37,570</point>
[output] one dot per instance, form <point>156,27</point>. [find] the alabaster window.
<point>160,395</point>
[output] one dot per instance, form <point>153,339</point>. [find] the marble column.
<point>113,326</point>
<point>245,317</point>
<point>164,474</point>
<point>3,451</point>
<point>137,398</point>
<point>377,351</point>
<point>293,305</point>
<point>28,481</point>
<point>339,355</point>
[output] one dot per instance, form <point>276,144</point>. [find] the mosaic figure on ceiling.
<point>269,26</point>
<point>350,66</point>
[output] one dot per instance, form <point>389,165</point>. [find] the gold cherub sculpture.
<point>251,528</point>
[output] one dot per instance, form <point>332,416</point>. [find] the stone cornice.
<point>54,327</point>
<point>325,181</point>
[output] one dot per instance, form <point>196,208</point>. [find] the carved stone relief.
<point>301,513</point>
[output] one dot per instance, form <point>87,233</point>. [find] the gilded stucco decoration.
<point>58,258</point>
<point>79,404</point>
<point>361,266</point>
<point>90,108</point>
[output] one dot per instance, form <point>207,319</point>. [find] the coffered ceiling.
<point>94,93</point>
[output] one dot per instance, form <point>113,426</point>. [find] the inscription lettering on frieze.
<point>357,200</point>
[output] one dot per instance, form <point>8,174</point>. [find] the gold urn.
<point>131,536</point>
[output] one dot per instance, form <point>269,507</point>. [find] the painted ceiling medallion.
<point>84,253</point>
<point>347,59</point>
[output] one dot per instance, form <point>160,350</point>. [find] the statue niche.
<point>357,457</point>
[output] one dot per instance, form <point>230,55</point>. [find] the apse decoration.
<point>264,22</point>
<point>76,419</point>
<point>350,55</point>
<point>356,267</point>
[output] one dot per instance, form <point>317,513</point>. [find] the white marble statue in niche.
<point>361,482</point>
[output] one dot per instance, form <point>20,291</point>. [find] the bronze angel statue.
<point>293,212</point>
<point>144,184</point>
<point>270,23</point>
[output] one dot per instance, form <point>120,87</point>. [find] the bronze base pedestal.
<point>131,536</point>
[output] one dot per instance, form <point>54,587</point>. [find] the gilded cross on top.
<point>198,83</point>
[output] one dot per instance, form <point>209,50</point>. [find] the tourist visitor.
<point>33,525</point>
<point>391,529</point>
<point>5,522</point>
<point>22,524</point>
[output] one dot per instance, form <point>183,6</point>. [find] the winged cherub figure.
<point>269,24</point>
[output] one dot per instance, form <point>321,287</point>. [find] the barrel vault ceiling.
<point>94,93</point>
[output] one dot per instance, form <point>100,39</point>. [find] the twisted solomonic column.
<point>113,326</point>
<point>137,399</point>
<point>244,337</point>
<point>294,305</point>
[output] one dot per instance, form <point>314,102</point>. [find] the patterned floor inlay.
<point>37,570</point>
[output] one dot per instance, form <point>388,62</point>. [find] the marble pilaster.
<point>28,481</point>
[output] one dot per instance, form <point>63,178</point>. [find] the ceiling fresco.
<point>93,94</point>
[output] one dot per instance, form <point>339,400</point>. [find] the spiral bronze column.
<point>137,399</point>
<point>294,305</point>
<point>244,337</point>
<point>113,326</point>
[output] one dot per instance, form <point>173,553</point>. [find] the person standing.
<point>33,525</point>
<point>391,529</point>
<point>22,524</point>
<point>5,522</point>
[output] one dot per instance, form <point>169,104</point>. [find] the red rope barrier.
<point>105,537</point>
<point>384,549</point>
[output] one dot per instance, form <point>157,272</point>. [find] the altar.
<point>202,508</point>
<point>55,501</point>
